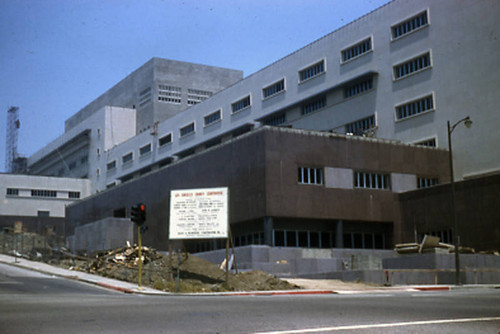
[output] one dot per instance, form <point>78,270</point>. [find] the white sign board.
<point>199,213</point>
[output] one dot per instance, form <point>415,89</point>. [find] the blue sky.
<point>56,56</point>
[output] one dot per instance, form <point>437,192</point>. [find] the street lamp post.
<point>467,122</point>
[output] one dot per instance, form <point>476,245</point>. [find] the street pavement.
<point>35,302</point>
<point>132,288</point>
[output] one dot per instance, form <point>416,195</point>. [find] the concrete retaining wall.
<point>101,235</point>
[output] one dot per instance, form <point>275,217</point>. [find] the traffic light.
<point>138,213</point>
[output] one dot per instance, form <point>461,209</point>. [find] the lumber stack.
<point>430,244</point>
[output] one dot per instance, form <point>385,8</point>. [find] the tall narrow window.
<point>426,182</point>
<point>165,140</point>
<point>145,149</point>
<point>412,24</point>
<point>274,89</point>
<point>310,175</point>
<point>358,88</point>
<point>357,50</point>
<point>43,193</point>
<point>415,107</point>
<point>212,118</point>
<point>312,71</point>
<point>428,142</point>
<point>74,194</point>
<point>276,120</point>
<point>313,106</point>
<point>186,130</point>
<point>111,165</point>
<point>240,104</point>
<point>127,158</point>
<point>359,127</point>
<point>371,180</point>
<point>412,66</point>
<point>12,192</point>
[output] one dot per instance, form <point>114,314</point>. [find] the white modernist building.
<point>38,201</point>
<point>400,72</point>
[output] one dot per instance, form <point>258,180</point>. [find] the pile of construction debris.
<point>431,244</point>
<point>161,271</point>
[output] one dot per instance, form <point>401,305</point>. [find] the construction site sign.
<point>199,213</point>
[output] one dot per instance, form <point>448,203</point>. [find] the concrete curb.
<point>130,288</point>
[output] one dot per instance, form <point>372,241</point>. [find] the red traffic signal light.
<point>138,213</point>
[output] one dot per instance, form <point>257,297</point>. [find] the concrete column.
<point>339,234</point>
<point>268,231</point>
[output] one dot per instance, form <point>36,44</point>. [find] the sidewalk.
<point>309,286</point>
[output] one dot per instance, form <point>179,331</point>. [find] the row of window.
<point>320,239</point>
<point>366,180</point>
<point>303,239</point>
<point>42,193</point>
<point>172,94</point>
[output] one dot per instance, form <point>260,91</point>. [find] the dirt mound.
<point>160,272</point>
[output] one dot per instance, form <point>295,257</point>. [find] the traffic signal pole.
<point>138,216</point>
<point>139,236</point>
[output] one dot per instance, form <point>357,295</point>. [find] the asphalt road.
<point>36,303</point>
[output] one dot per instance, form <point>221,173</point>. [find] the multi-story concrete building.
<point>288,187</point>
<point>400,72</point>
<point>38,201</point>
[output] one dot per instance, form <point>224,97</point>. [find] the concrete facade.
<point>428,211</point>
<point>182,84</point>
<point>390,74</point>
<point>38,201</point>
<point>269,204</point>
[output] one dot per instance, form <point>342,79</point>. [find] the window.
<point>426,182</point>
<point>240,104</point>
<point>98,152</point>
<point>145,149</point>
<point>415,107</point>
<point>309,175</point>
<point>195,96</point>
<point>111,165</point>
<point>186,130</point>
<point>371,180</point>
<point>169,94</point>
<point>412,66</point>
<point>428,142</point>
<point>43,193</point>
<point>145,97</point>
<point>212,118</point>
<point>12,192</point>
<point>358,88</point>
<point>359,127</point>
<point>412,24</point>
<point>127,158</point>
<point>312,71</point>
<point>274,89</point>
<point>165,140</point>
<point>276,120</point>
<point>74,194</point>
<point>43,213</point>
<point>357,50</point>
<point>98,171</point>
<point>313,106</point>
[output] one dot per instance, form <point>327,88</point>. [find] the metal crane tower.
<point>13,125</point>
